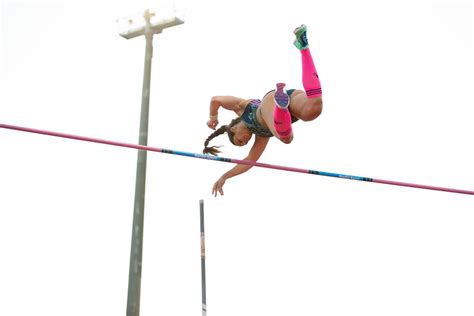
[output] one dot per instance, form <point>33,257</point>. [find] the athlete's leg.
<point>304,108</point>
<point>281,114</point>
<point>308,106</point>
<point>300,106</point>
<point>269,112</point>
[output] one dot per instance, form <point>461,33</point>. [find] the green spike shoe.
<point>301,42</point>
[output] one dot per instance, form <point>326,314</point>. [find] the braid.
<point>213,150</point>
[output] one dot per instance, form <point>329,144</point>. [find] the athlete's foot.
<point>282,100</point>
<point>301,42</point>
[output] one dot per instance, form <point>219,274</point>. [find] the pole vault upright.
<point>135,271</point>
<point>203,259</point>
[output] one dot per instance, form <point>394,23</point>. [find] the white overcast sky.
<point>397,79</point>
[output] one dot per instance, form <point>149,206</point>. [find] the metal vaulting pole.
<point>203,259</point>
<point>136,252</point>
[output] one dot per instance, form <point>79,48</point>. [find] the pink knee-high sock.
<point>282,122</point>
<point>311,83</point>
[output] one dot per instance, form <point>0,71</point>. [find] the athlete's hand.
<point>212,123</point>
<point>218,186</point>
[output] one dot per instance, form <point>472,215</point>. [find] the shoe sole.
<point>281,97</point>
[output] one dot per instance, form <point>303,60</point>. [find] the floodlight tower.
<point>149,29</point>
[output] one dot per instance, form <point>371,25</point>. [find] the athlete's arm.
<point>254,154</point>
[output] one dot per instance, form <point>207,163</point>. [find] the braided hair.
<point>213,150</point>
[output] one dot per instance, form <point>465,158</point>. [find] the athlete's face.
<point>242,134</point>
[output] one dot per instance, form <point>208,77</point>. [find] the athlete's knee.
<point>313,108</point>
<point>317,102</point>
<point>287,140</point>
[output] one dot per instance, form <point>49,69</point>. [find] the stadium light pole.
<point>149,29</point>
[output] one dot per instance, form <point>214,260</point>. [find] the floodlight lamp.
<point>131,27</point>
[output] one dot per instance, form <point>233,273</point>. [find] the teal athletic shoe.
<point>301,42</point>
<point>281,98</point>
